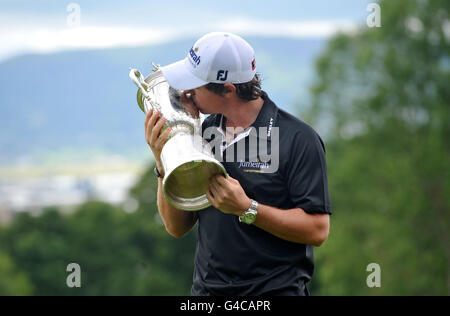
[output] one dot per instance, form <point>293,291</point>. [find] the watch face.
<point>249,218</point>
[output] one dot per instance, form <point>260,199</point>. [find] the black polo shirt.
<point>234,258</point>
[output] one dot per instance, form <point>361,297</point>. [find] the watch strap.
<point>157,173</point>
<point>253,209</point>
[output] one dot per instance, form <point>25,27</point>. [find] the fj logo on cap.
<point>222,75</point>
<point>195,57</point>
<point>253,64</point>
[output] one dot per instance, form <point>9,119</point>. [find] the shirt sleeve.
<point>307,174</point>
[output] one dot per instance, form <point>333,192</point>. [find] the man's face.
<point>206,101</point>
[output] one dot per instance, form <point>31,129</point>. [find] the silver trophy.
<point>186,157</point>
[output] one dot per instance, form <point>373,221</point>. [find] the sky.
<point>46,26</point>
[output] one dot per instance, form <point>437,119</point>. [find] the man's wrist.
<point>249,216</point>
<point>160,168</point>
<point>248,203</point>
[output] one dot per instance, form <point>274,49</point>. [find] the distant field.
<point>26,171</point>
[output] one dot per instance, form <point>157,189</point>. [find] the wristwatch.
<point>249,216</point>
<point>157,173</point>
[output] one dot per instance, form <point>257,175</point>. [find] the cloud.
<point>44,38</point>
<point>48,40</point>
<point>296,29</point>
<point>95,37</point>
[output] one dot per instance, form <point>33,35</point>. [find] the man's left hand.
<point>227,195</point>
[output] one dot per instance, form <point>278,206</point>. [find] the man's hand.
<point>227,195</point>
<point>154,123</point>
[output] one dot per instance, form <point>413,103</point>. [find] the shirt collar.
<point>266,118</point>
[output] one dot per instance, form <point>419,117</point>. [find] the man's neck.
<point>243,114</point>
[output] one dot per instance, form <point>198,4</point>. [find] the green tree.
<point>12,282</point>
<point>382,100</point>
<point>37,246</point>
<point>118,253</point>
<point>175,255</point>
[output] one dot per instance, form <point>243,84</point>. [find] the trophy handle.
<point>156,67</point>
<point>139,81</point>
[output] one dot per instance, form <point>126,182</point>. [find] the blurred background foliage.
<point>119,253</point>
<point>383,95</point>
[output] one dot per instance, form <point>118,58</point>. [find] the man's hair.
<point>247,91</point>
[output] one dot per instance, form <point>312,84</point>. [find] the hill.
<point>72,106</point>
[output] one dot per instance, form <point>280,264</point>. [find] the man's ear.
<point>229,90</point>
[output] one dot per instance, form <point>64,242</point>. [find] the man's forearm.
<point>293,225</point>
<point>177,222</point>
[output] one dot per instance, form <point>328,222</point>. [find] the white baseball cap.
<point>217,57</point>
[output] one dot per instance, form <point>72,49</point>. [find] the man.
<point>257,238</point>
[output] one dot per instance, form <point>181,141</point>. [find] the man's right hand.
<point>154,122</point>
<point>177,222</point>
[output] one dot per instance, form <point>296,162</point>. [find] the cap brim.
<point>179,77</point>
